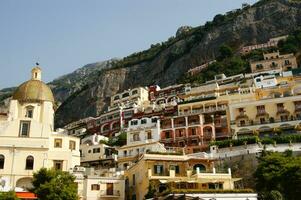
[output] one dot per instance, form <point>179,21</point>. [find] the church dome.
<point>34,90</point>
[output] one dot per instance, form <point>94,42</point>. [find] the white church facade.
<point>28,141</point>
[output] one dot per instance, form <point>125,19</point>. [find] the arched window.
<point>2,160</point>
<point>29,111</point>
<point>29,163</point>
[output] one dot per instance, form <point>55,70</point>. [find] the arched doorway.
<point>24,183</point>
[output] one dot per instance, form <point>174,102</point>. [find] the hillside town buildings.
<point>274,61</point>
<point>166,131</point>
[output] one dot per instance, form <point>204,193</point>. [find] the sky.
<point>63,35</point>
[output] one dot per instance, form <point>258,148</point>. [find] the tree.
<point>280,173</point>
<point>225,52</point>
<point>49,184</point>
<point>8,196</point>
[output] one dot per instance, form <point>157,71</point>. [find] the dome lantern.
<point>36,73</point>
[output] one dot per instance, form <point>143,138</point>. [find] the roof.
<point>26,195</point>
<point>33,90</point>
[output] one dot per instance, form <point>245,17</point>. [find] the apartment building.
<point>274,61</point>
<point>275,107</point>
<point>165,172</point>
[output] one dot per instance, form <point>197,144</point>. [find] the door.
<point>110,188</point>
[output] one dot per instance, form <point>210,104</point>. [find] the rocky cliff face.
<point>255,24</point>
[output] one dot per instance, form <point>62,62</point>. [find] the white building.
<point>28,141</point>
<point>143,136</point>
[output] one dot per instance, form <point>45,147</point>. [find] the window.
<point>154,120</point>
<point>24,128</point>
<point>193,131</point>
<point>134,179</point>
<point>58,143</point>
<point>29,111</point>
<point>176,168</point>
<point>125,95</point>
<point>287,62</point>
<point>96,150</point>
<point>259,66</point>
<point>95,187</point>
<point>261,109</point>
<point>158,169</point>
<point>134,92</point>
<point>149,135</point>
<point>58,164</point>
<point>136,137</point>
<point>134,122</point>
<point>143,121</point>
<point>72,145</point>
<point>262,120</point>
<point>242,123</point>
<point>116,97</point>
<point>167,134</point>
<point>2,160</point>
<point>29,163</point>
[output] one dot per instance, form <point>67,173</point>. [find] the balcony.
<point>257,123</point>
<point>180,124</point>
<point>205,110</point>
<point>109,193</point>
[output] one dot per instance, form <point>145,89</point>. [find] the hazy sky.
<point>63,35</point>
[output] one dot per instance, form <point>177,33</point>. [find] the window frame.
<point>29,163</point>
<point>2,161</point>
<point>72,145</point>
<point>21,128</point>
<point>61,143</point>
<point>95,189</point>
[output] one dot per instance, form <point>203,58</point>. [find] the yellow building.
<point>168,172</point>
<point>274,61</point>
<point>276,107</point>
<point>28,141</point>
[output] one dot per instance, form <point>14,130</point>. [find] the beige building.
<point>276,107</point>
<point>169,172</point>
<point>28,141</point>
<point>274,61</point>
<point>130,98</point>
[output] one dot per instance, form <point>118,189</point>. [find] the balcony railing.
<point>109,193</point>
<point>205,110</point>
<point>267,122</point>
